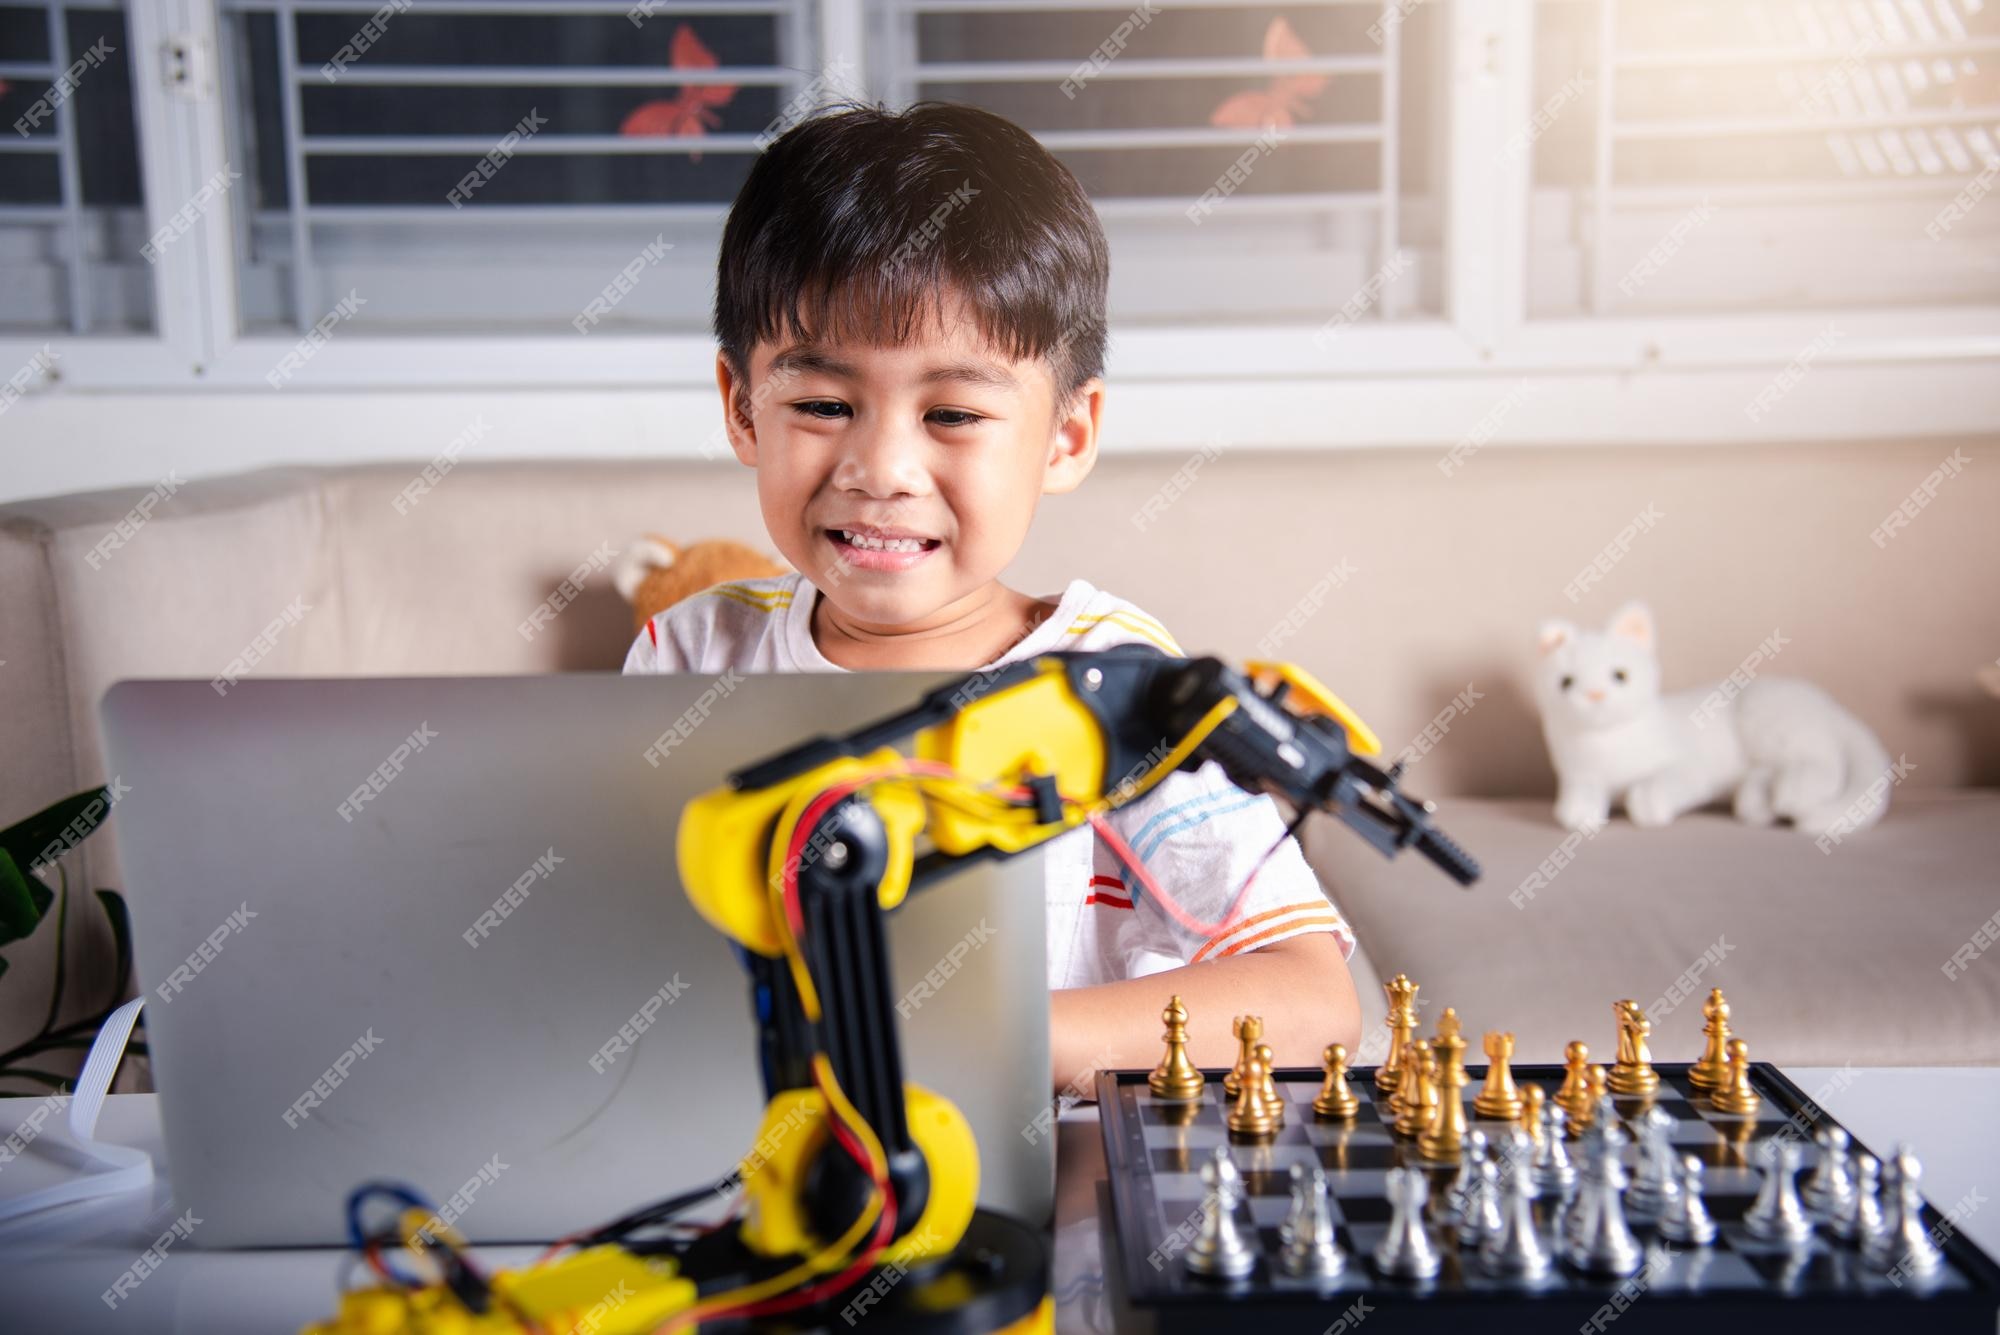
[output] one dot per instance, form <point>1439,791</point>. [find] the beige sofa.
<point>1827,957</point>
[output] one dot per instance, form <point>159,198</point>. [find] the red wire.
<point>1123,852</point>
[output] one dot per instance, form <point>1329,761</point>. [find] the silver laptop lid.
<point>432,930</point>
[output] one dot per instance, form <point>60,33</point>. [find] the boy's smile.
<point>901,480</point>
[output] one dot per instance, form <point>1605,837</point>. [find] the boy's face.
<point>901,481</point>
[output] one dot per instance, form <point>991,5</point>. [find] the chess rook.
<point>1499,1098</point>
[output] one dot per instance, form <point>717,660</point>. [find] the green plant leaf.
<point>121,932</point>
<point>23,900</point>
<point>27,840</point>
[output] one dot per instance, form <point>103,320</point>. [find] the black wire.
<point>657,1213</point>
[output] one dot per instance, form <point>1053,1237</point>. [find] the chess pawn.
<point>1574,1095</point>
<point>1533,1098</point>
<point>1417,1097</point>
<point>1442,1137</point>
<point>1250,1116</point>
<point>1903,1245</point>
<point>1220,1250</point>
<point>1514,1248</point>
<point>1688,1220</point>
<point>1598,1240</point>
<point>1656,1183</point>
<point>1734,1095</point>
<point>1633,1074</point>
<point>1480,1218</point>
<point>1248,1029</point>
<point>1310,1248</point>
<point>1402,1023</point>
<point>1458,1196</point>
<point>1827,1189</point>
<point>1864,1225</point>
<point>1336,1101</point>
<point>1406,1250</point>
<point>1554,1173</point>
<point>1267,1087</point>
<point>1712,1070</point>
<point>1175,1079</point>
<point>1499,1098</point>
<point>1776,1215</point>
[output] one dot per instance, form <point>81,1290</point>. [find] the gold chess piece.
<point>1336,1101</point>
<point>1248,1030</point>
<point>1443,1136</point>
<point>1574,1096</point>
<point>1735,1095</point>
<point>1402,1023</point>
<point>1250,1117</point>
<point>1416,1100</point>
<point>1633,1073</point>
<point>1713,1068</point>
<point>1499,1098</point>
<point>1267,1088</point>
<point>1175,1079</point>
<point>1532,1099</point>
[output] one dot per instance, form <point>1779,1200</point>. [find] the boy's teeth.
<point>867,543</point>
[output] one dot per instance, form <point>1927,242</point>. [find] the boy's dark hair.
<point>854,224</point>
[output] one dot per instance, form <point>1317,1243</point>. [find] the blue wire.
<point>396,1191</point>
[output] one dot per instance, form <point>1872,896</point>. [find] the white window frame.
<point>1429,383</point>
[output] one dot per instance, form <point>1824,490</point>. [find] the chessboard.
<point>1154,1150</point>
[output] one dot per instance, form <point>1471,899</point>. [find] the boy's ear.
<point>1073,445</point>
<point>737,423</point>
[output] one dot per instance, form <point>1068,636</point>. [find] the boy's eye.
<point>954,417</point>
<point>1568,682</point>
<point>1618,674</point>
<point>823,409</point>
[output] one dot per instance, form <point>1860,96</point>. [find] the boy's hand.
<point>1299,985</point>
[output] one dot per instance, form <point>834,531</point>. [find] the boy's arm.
<point>1300,986</point>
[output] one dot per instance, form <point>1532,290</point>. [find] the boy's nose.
<point>885,463</point>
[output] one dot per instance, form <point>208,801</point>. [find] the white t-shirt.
<point>1198,834</point>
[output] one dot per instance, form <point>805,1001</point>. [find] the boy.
<point>910,309</point>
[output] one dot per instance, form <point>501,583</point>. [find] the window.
<point>1251,161</point>
<point>1746,155</point>
<point>493,168</point>
<point>71,218</point>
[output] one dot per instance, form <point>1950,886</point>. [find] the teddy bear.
<point>655,573</point>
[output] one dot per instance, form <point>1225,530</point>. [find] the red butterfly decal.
<point>1284,101</point>
<point>687,112</point>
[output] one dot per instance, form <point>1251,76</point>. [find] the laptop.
<point>432,930</point>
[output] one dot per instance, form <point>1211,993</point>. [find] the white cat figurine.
<point>1781,748</point>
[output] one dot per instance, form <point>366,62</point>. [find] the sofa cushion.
<point>1826,957</point>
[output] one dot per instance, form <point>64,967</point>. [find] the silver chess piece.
<point>1829,1188</point>
<point>1553,1172</point>
<point>1220,1250</point>
<point>1452,1205</point>
<point>1687,1219</point>
<point>1515,1249</point>
<point>1406,1250</point>
<point>1904,1246</point>
<point>1862,1220</point>
<point>1481,1219</point>
<point>1599,1242</point>
<point>1656,1183</point>
<point>1776,1215</point>
<point>1310,1247</point>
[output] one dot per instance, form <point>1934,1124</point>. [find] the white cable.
<point>123,1168</point>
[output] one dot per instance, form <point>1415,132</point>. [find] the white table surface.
<point>55,1265</point>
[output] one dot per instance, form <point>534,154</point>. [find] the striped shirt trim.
<point>1114,895</point>
<point>1195,820</point>
<point>1143,626</point>
<point>1307,913</point>
<point>764,600</point>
